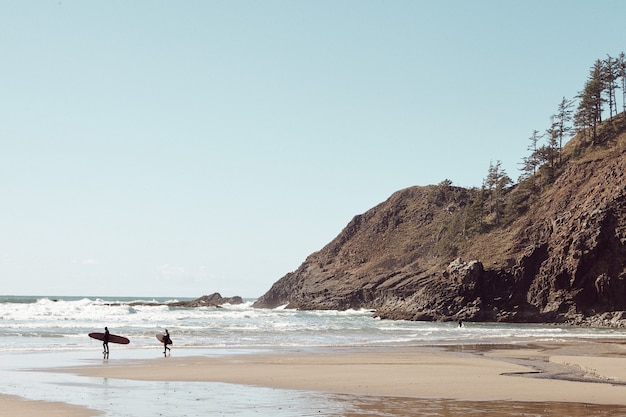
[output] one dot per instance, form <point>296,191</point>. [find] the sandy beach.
<point>15,406</point>
<point>399,374</point>
<point>585,372</point>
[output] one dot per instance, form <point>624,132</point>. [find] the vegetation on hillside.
<point>577,122</point>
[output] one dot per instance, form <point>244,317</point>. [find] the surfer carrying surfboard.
<point>105,342</point>
<point>166,341</point>
<point>106,337</point>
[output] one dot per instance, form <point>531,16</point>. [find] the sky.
<point>176,149</point>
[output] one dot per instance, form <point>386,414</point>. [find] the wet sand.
<point>546,374</point>
<point>545,379</point>
<point>16,406</point>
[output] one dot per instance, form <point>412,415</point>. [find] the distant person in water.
<point>460,323</point>
<point>105,342</point>
<point>166,341</point>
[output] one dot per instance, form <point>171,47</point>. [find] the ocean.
<point>31,324</point>
<point>39,332</point>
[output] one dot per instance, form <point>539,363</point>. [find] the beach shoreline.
<point>533,375</point>
<point>12,405</point>
<point>585,372</point>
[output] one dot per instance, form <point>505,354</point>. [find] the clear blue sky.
<point>161,148</point>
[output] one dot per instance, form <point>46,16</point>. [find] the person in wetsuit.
<point>166,341</point>
<point>105,342</point>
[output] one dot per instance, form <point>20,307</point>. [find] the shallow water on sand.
<point>25,376</point>
<point>124,398</point>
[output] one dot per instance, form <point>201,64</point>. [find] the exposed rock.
<point>213,300</point>
<point>464,273</point>
<point>411,257</point>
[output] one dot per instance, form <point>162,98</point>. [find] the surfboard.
<point>113,338</point>
<point>160,337</point>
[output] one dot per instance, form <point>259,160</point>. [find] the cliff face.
<point>412,256</point>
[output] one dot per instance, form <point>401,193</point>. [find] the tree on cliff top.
<point>589,111</point>
<point>561,124</point>
<point>496,183</point>
<point>621,71</point>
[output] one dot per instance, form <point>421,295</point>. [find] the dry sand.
<point>15,406</point>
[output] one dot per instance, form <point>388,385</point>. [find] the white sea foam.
<point>30,324</point>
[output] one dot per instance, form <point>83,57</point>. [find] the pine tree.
<point>552,135</point>
<point>609,78</point>
<point>596,85</point>
<point>475,212</point>
<point>589,112</point>
<point>561,124</point>
<point>621,72</point>
<point>533,161</point>
<point>584,118</point>
<point>496,182</point>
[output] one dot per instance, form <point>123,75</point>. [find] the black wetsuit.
<point>166,341</point>
<point>105,341</point>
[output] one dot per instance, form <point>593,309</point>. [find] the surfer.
<point>166,341</point>
<point>105,342</point>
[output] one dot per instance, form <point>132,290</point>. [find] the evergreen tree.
<point>609,78</point>
<point>441,193</point>
<point>584,118</point>
<point>475,212</point>
<point>589,113</point>
<point>561,124</point>
<point>596,85</point>
<point>496,182</point>
<point>533,161</point>
<point>621,72</point>
<point>552,148</point>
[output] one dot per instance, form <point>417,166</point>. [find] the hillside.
<point>561,256</point>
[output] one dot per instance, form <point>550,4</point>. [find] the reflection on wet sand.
<point>392,407</point>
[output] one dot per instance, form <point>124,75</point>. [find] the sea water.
<point>40,332</point>
<point>29,324</point>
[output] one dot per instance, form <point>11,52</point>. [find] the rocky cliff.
<point>561,257</point>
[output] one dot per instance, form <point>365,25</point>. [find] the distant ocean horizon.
<point>31,298</point>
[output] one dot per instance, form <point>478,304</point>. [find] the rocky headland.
<point>424,254</point>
